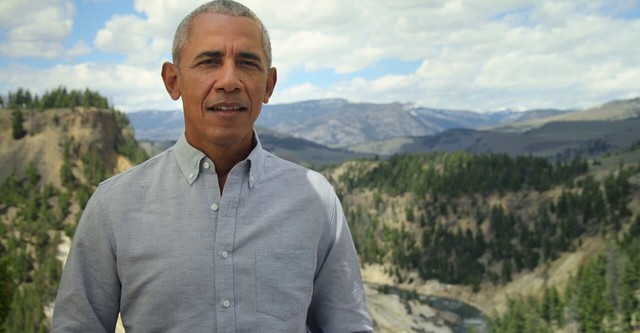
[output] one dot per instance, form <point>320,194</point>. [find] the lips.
<point>226,107</point>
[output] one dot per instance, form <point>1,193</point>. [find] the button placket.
<point>225,225</point>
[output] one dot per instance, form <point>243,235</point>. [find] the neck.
<point>225,157</point>
<point>224,162</point>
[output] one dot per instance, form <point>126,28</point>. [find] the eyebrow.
<point>209,54</point>
<point>219,54</point>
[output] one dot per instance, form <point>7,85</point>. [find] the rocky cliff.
<point>86,131</point>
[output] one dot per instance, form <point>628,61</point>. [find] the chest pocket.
<point>284,282</point>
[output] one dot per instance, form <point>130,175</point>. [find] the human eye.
<point>250,64</point>
<point>208,62</point>
<point>249,60</point>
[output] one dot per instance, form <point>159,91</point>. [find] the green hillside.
<point>482,219</point>
<point>37,216</point>
<point>469,220</point>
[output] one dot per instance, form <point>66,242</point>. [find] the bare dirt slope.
<point>616,110</point>
<point>90,130</point>
<point>492,298</point>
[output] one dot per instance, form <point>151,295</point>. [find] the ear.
<point>170,79</point>
<point>272,77</point>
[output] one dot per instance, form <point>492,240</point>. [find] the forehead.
<point>210,28</point>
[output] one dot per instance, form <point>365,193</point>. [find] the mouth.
<point>226,108</point>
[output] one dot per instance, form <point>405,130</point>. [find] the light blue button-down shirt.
<point>161,245</point>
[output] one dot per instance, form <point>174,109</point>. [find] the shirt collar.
<point>256,161</point>
<point>189,159</point>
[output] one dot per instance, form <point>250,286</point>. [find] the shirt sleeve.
<point>339,303</point>
<point>89,293</point>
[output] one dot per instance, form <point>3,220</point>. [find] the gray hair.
<point>222,7</point>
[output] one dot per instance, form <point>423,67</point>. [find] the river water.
<point>472,319</point>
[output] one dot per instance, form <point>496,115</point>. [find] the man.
<point>215,234</point>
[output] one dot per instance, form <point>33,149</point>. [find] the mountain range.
<point>339,123</point>
<point>331,130</point>
<point>41,203</point>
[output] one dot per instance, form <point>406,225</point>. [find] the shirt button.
<point>214,207</point>
<point>206,165</point>
<point>224,254</point>
<point>226,303</point>
<point>191,175</point>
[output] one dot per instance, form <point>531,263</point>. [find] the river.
<point>472,319</point>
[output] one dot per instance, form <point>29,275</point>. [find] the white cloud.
<point>78,49</point>
<point>46,23</point>
<point>36,49</point>
<point>128,87</point>
<point>545,64</point>
<point>34,28</point>
<point>122,34</point>
<point>472,54</point>
<point>12,12</point>
<point>146,36</point>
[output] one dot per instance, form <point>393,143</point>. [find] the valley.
<point>502,219</point>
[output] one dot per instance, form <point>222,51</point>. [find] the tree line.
<point>29,268</point>
<point>39,214</point>
<point>601,297</point>
<point>57,98</point>
<point>521,241</point>
<point>62,98</point>
<point>498,240</point>
<point>460,173</point>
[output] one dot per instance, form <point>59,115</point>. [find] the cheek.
<point>257,93</point>
<point>197,89</point>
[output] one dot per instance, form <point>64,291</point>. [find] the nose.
<point>228,80</point>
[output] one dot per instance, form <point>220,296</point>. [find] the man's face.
<point>223,80</point>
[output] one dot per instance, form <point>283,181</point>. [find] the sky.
<point>479,55</point>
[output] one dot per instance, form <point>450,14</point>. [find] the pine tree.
<point>6,290</point>
<point>612,279</point>
<point>66,170</point>
<point>17,118</point>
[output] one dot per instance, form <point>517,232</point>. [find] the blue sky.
<point>453,54</point>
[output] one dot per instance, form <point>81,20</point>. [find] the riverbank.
<point>490,299</point>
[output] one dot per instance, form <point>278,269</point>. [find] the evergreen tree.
<point>20,99</point>
<point>612,280</point>
<point>17,129</point>
<point>6,289</point>
<point>66,170</point>
<point>27,313</point>
<point>409,215</point>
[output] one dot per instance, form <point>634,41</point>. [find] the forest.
<point>40,214</point>
<point>460,218</point>
<point>29,267</point>
<point>602,297</point>
<point>57,98</point>
<point>473,219</point>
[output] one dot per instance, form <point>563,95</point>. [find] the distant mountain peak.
<point>327,102</point>
<point>339,123</point>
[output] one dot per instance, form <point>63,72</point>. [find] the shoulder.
<point>295,172</point>
<point>137,176</point>
<point>298,180</point>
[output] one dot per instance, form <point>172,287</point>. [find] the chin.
<point>229,138</point>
